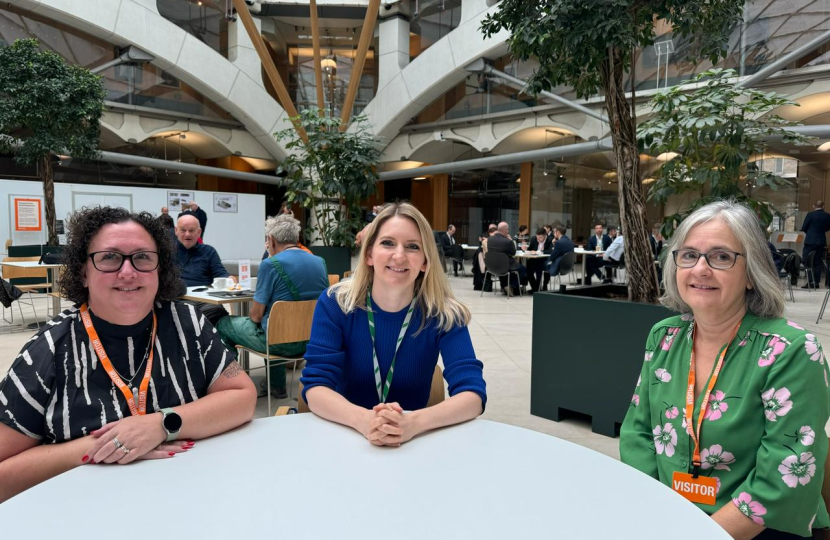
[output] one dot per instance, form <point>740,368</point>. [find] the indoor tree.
<point>711,135</point>
<point>590,46</point>
<point>330,174</point>
<point>47,107</point>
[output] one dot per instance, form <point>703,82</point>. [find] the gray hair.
<point>765,298</point>
<point>283,228</point>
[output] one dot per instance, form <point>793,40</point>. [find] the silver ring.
<point>126,450</point>
<point>117,443</point>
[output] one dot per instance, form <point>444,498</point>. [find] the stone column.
<point>393,55</point>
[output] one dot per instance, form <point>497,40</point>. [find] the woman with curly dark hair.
<point>126,373</point>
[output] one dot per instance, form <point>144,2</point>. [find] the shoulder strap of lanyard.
<point>383,391</point>
<point>690,397</point>
<point>137,406</point>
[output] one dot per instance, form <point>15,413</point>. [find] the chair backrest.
<point>333,278</point>
<point>789,264</point>
<point>290,321</point>
<point>347,274</point>
<point>567,263</point>
<point>436,392</point>
<point>8,243</point>
<point>810,259</point>
<point>457,252</point>
<point>497,263</point>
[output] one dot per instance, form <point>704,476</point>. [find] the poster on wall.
<point>226,202</point>
<point>178,201</point>
<point>27,214</point>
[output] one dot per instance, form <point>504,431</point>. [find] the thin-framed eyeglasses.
<point>719,259</point>
<point>112,261</point>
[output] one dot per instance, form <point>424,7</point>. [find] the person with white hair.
<point>289,274</point>
<point>733,399</point>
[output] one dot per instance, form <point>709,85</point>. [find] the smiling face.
<point>704,289</point>
<point>126,296</point>
<point>397,254</point>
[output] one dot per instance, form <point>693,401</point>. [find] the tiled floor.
<point>501,332</point>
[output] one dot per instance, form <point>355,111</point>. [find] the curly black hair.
<point>82,227</point>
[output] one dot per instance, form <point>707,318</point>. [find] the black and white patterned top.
<point>57,390</point>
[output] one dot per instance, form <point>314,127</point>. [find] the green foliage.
<point>571,38</point>
<point>715,130</point>
<point>48,105</point>
<point>331,174</point>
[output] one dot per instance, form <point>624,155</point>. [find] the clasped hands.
<point>387,425</point>
<point>138,437</point>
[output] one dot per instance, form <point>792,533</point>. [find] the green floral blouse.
<point>763,433</point>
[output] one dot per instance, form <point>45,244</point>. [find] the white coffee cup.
<point>220,283</point>
<point>253,283</point>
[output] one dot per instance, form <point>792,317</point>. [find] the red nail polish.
<point>84,459</point>
<point>171,454</point>
<point>92,462</point>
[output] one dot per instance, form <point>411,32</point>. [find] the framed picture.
<point>179,201</point>
<point>226,202</point>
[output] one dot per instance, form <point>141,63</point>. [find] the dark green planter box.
<point>338,259</point>
<point>587,354</point>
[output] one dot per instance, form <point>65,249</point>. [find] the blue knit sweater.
<point>339,356</point>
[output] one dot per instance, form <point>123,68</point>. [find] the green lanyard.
<point>385,392</point>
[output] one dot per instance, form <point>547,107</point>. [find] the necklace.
<point>129,382</point>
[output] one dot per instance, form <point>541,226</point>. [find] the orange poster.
<point>27,215</point>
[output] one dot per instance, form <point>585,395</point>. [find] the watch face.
<point>173,422</point>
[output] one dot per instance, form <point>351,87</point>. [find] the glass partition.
<point>204,19</point>
<point>479,198</point>
<point>432,20</point>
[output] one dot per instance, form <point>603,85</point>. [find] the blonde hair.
<point>432,289</point>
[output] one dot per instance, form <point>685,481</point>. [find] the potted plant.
<point>712,134</point>
<point>588,362</point>
<point>47,107</point>
<point>330,175</point>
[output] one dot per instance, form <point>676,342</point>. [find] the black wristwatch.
<point>172,423</point>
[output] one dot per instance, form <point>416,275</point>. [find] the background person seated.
<point>63,407</point>
<point>614,254</point>
<point>199,264</point>
<point>536,267</point>
<point>290,274</point>
<point>594,263</point>
<point>563,246</point>
<point>397,308</point>
<point>502,243</point>
<point>447,240</point>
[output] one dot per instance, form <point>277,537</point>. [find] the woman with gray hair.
<point>732,399</point>
<point>288,274</point>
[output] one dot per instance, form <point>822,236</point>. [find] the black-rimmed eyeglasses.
<point>719,259</point>
<point>112,261</point>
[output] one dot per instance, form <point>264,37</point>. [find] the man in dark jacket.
<point>594,263</point>
<point>815,225</point>
<point>563,246</point>
<point>535,267</point>
<point>502,243</point>
<point>447,242</point>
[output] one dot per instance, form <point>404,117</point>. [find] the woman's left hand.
<point>401,427</point>
<point>138,434</point>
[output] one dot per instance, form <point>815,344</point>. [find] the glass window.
<point>204,19</point>
<point>433,20</point>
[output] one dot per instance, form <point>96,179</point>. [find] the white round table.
<point>299,476</point>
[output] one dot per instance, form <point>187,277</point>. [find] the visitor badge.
<point>701,490</point>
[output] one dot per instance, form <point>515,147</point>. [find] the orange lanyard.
<point>136,409</point>
<point>690,398</point>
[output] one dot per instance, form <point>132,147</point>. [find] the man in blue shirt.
<point>199,263</point>
<point>289,274</point>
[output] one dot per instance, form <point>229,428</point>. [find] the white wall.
<point>235,236</point>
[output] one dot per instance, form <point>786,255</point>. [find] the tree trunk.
<point>49,198</point>
<point>639,260</point>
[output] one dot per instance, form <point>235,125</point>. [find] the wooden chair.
<point>347,274</point>
<point>436,394</point>
<point>333,278</point>
<point>288,322</point>
<point>14,273</point>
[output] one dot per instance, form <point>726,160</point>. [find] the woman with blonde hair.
<point>376,338</point>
